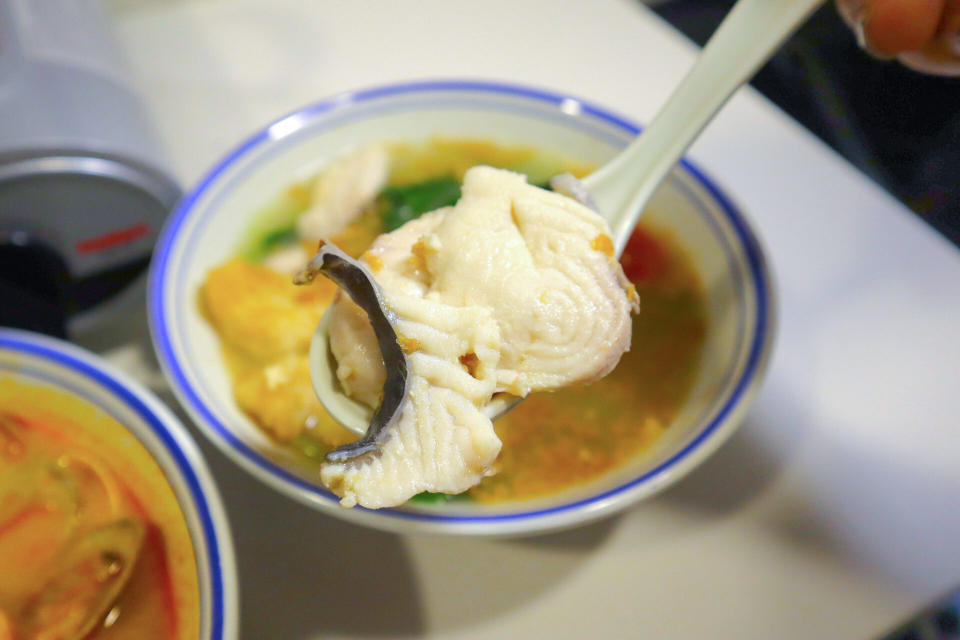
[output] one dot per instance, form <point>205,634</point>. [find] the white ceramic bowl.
<point>38,359</point>
<point>210,222</point>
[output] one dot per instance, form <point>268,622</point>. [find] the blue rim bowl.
<point>193,241</point>
<point>47,361</point>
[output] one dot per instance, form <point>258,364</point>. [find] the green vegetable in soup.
<point>310,446</point>
<point>276,238</point>
<point>399,205</point>
<point>429,497</point>
<point>275,225</point>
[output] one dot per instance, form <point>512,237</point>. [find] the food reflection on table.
<point>552,441</point>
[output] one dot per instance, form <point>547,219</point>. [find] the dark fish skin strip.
<point>353,277</point>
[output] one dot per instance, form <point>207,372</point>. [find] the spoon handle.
<point>748,36</point>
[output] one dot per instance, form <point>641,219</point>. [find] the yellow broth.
<point>552,440</point>
<point>72,482</point>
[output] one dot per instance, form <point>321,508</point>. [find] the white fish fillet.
<point>343,190</point>
<point>513,289</point>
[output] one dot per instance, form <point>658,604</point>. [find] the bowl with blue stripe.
<point>39,361</point>
<point>211,222</point>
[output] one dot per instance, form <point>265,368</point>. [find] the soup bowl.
<point>79,376</point>
<point>211,221</point>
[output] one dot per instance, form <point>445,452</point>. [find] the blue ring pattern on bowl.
<point>20,342</point>
<point>159,322</point>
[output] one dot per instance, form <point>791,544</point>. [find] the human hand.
<point>923,34</point>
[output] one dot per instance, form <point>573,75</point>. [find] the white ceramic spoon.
<point>748,36</point>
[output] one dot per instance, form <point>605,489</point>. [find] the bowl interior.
<point>209,227</point>
<point>47,362</point>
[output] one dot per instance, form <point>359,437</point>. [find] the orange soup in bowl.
<point>93,544</point>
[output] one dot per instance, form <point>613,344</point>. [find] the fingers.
<point>950,22</point>
<point>892,27</point>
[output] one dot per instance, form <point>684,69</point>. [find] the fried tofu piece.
<point>281,399</point>
<point>260,312</point>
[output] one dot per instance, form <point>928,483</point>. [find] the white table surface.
<point>832,513</point>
